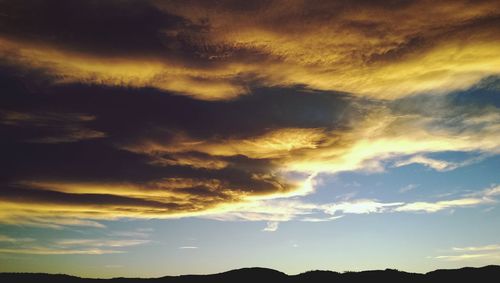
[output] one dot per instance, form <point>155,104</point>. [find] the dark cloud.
<point>25,195</point>
<point>48,127</point>
<point>107,28</point>
<point>175,107</point>
<point>116,28</point>
<point>219,50</point>
<point>129,116</point>
<point>129,113</point>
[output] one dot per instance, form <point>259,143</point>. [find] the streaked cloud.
<point>54,251</point>
<point>314,219</point>
<point>467,257</point>
<point>486,252</point>
<point>436,164</point>
<point>188,247</point>
<point>279,210</point>
<point>492,191</point>
<point>483,197</point>
<point>93,246</point>
<point>4,238</point>
<point>43,220</point>
<point>441,205</point>
<point>53,127</point>
<point>478,248</point>
<point>101,242</point>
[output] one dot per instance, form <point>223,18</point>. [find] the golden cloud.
<point>67,66</point>
<point>273,144</point>
<point>381,137</point>
<point>372,50</point>
<point>381,51</point>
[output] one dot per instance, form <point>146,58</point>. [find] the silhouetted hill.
<point>257,275</point>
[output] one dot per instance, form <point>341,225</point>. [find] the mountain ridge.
<point>485,273</point>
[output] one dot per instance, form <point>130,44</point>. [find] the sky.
<point>152,138</point>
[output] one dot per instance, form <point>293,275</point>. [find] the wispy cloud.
<point>101,242</point>
<point>492,191</point>
<point>93,246</point>
<point>271,226</point>
<point>486,252</point>
<point>437,164</point>
<point>465,257</point>
<point>8,239</point>
<point>468,200</point>
<point>495,247</point>
<point>54,127</point>
<point>140,233</point>
<point>441,205</point>
<point>321,219</point>
<point>50,221</point>
<point>188,247</point>
<point>407,188</point>
<point>278,210</point>
<point>38,250</point>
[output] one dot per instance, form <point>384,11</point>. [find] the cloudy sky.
<point>149,138</point>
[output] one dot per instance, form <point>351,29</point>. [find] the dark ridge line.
<point>270,275</point>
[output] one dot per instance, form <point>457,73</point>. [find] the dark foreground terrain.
<point>261,275</point>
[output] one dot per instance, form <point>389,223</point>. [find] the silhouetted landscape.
<point>483,274</point>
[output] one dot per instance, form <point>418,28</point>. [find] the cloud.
<point>314,219</point>
<point>271,227</point>
<point>188,248</point>
<point>94,246</point>
<point>49,251</point>
<point>438,165</point>
<point>492,191</point>
<point>160,110</point>
<point>169,174</point>
<point>52,127</point>
<point>441,205</point>
<point>50,220</point>
<point>487,252</point>
<point>465,257</point>
<point>283,209</point>
<point>278,210</point>
<point>408,188</point>
<point>272,211</point>
<point>360,206</point>
<point>4,238</point>
<point>214,51</point>
<point>269,145</point>
<point>478,249</point>
<point>469,200</point>
<point>101,242</point>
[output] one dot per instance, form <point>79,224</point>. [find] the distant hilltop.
<point>489,273</point>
